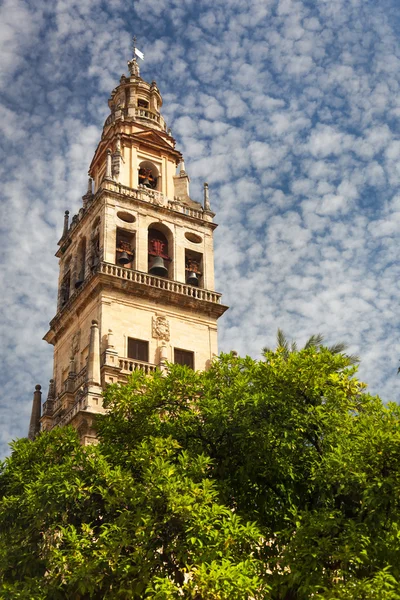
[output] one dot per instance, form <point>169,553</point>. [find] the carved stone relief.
<point>161,328</point>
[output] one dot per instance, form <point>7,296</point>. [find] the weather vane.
<point>132,64</point>
<point>136,52</point>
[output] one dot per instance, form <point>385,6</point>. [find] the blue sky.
<point>289,109</point>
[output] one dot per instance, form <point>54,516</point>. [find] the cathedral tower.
<point>136,284</point>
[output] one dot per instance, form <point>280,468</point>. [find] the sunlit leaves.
<point>276,478</point>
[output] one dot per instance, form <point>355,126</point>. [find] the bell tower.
<point>136,283</point>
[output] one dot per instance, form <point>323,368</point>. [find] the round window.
<point>192,237</point>
<point>125,216</point>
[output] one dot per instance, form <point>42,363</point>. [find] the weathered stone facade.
<point>136,285</point>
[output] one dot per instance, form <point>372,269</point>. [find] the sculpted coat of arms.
<point>161,328</point>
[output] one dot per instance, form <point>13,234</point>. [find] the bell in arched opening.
<point>124,259</point>
<point>158,267</point>
<point>193,267</point>
<point>158,253</point>
<point>148,177</point>
<point>192,278</point>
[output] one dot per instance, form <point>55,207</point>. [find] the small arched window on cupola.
<point>160,261</point>
<point>148,175</point>
<point>80,263</point>
<point>142,103</point>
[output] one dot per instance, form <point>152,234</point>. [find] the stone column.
<point>163,356</point>
<point>93,368</point>
<point>206,198</point>
<point>66,223</point>
<point>34,425</point>
<point>108,165</point>
<point>89,194</point>
<point>111,355</point>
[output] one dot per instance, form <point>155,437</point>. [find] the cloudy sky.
<point>289,109</point>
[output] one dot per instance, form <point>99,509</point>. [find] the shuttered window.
<point>184,357</point>
<point>138,349</point>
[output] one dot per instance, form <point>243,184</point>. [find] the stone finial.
<point>34,425</point>
<point>51,396</point>
<point>182,171</point>
<point>110,339</point>
<point>108,165</point>
<point>66,223</point>
<point>89,193</point>
<point>71,366</point>
<point>206,198</point>
<point>52,390</point>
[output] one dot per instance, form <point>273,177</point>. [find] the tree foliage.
<point>275,479</point>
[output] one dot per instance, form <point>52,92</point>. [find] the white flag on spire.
<point>139,54</point>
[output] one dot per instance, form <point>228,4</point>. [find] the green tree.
<point>275,479</point>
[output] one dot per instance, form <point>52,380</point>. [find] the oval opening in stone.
<point>192,237</point>
<point>125,216</point>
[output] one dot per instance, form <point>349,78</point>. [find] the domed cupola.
<point>136,100</point>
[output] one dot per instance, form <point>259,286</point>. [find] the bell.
<point>158,267</point>
<point>192,278</point>
<point>124,258</point>
<point>146,182</point>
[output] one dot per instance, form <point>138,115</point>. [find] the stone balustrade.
<point>79,405</point>
<point>80,377</point>
<point>128,365</point>
<point>185,210</point>
<point>160,283</point>
<point>144,113</point>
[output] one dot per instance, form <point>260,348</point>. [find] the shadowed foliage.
<point>256,479</point>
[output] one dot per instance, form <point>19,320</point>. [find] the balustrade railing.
<point>80,377</point>
<point>128,365</point>
<point>185,210</point>
<point>147,114</point>
<point>159,282</point>
<point>79,405</point>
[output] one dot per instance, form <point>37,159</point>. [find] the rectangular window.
<point>138,349</point>
<point>184,357</point>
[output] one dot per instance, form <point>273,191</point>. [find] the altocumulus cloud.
<point>289,109</point>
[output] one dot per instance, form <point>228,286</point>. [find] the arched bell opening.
<point>194,268</point>
<point>80,263</point>
<point>142,103</point>
<point>160,245</point>
<point>148,175</point>
<point>94,251</point>
<point>125,248</point>
<point>65,285</point>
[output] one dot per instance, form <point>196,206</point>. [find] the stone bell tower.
<point>136,284</point>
